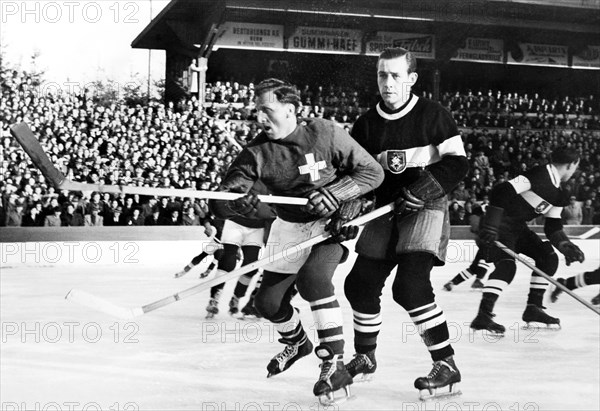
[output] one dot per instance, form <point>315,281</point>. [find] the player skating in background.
<point>418,144</point>
<point>319,160</point>
<point>212,229</point>
<point>478,268</point>
<point>512,204</point>
<point>578,281</point>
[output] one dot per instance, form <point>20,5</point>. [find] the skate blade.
<point>330,398</point>
<point>440,393</point>
<point>541,326</point>
<point>180,274</point>
<point>363,378</point>
<point>488,333</point>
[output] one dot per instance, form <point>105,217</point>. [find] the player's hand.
<point>246,205</point>
<point>321,203</point>
<point>348,210</point>
<point>407,203</point>
<point>571,252</point>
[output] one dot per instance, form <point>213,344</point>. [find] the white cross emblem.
<point>312,167</point>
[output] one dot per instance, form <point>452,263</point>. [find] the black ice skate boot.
<point>477,284</point>
<point>249,312</point>
<point>448,286</point>
<point>212,308</point>
<point>596,300</point>
<point>536,315</point>
<point>557,291</point>
<point>483,320</point>
<point>362,366</point>
<point>334,376</point>
<point>290,354</point>
<point>233,305</point>
<point>442,380</point>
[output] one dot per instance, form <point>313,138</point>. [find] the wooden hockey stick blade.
<point>22,133</point>
<point>546,276</point>
<point>99,304</point>
<point>104,306</point>
<point>34,150</point>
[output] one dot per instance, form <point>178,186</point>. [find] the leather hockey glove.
<point>413,198</point>
<point>571,252</point>
<point>490,225</point>
<point>347,211</point>
<point>324,201</point>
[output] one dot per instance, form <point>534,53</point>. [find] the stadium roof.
<point>183,23</point>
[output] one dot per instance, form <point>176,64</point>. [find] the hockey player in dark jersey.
<point>213,229</point>
<point>419,146</point>
<point>512,204</point>
<point>316,159</point>
<point>578,281</point>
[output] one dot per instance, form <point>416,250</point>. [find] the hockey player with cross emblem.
<point>318,160</point>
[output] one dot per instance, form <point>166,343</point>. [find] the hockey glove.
<point>407,203</point>
<point>324,201</point>
<point>348,210</point>
<point>413,198</point>
<point>490,225</point>
<point>246,206</point>
<point>571,252</point>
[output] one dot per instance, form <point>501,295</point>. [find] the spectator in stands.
<point>71,218</point>
<point>587,213</point>
<point>53,220</point>
<point>460,193</point>
<point>14,216</point>
<point>115,217</point>
<point>154,218</point>
<point>134,218</point>
<point>572,214</point>
<point>190,217</point>
<point>93,219</point>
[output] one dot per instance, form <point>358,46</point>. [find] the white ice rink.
<point>56,355</point>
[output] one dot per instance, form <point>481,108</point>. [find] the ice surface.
<point>59,355</point>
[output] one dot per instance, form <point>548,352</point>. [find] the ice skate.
<point>536,317</point>
<point>557,291</point>
<point>484,321</point>
<point>212,308</point>
<point>233,306</point>
<point>477,284</point>
<point>333,377</point>
<point>442,381</point>
<point>449,286</point>
<point>249,312</point>
<point>596,300</point>
<point>290,354</point>
<point>207,273</point>
<point>362,366</point>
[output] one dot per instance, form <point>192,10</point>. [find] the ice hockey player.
<point>578,281</point>
<point>512,204</point>
<point>478,268</point>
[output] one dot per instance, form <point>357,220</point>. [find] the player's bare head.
<point>398,52</point>
<point>284,92</point>
<point>567,159</point>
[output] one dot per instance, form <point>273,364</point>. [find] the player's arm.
<point>440,178</point>
<point>553,228</point>
<point>240,178</point>
<point>359,172</point>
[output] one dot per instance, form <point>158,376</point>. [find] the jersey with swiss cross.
<point>314,155</point>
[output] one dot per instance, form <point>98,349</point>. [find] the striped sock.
<point>431,324</point>
<point>494,286</point>
<point>329,323</point>
<point>463,276</point>
<point>366,330</point>
<point>537,287</point>
<point>291,329</point>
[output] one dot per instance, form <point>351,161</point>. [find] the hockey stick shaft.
<point>23,134</point>
<point>123,312</point>
<point>546,276</point>
<point>260,263</point>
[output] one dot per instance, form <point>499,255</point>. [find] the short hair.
<point>284,91</point>
<point>564,155</point>
<point>397,52</point>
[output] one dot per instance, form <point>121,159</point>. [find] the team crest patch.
<point>541,207</point>
<point>396,161</point>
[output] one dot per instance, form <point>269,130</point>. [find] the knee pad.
<point>228,260</point>
<point>547,261</point>
<point>218,254</point>
<point>505,270</point>
<point>314,287</point>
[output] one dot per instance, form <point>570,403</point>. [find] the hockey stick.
<point>107,307</point>
<point>546,276</point>
<point>23,134</point>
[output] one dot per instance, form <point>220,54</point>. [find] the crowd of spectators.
<point>188,146</point>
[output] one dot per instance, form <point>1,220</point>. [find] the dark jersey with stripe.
<point>421,134</point>
<point>531,194</point>
<point>315,154</point>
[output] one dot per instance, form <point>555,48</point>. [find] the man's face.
<point>394,81</point>
<point>278,120</point>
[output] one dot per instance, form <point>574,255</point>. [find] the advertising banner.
<point>325,40</point>
<point>250,36</point>
<point>480,50</point>
<point>421,45</point>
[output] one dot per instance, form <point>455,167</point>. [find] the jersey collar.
<point>401,112</point>
<point>554,176</point>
